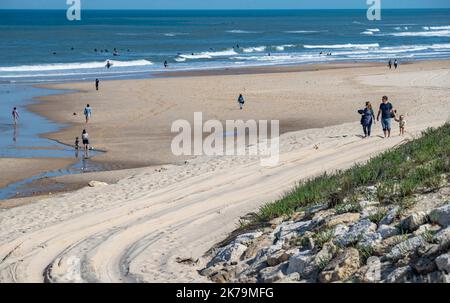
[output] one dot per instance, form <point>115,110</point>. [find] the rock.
<point>400,275</point>
<point>326,254</point>
<point>280,257</point>
<point>302,263</point>
<point>356,232</point>
<point>426,228</point>
<point>272,274</point>
<point>230,253</point>
<point>369,211</point>
<point>387,231</point>
<point>443,262</point>
<point>340,230</point>
<point>323,215</point>
<point>370,239</point>
<point>292,278</point>
<point>442,236</point>
<point>343,219</point>
<point>342,267</point>
<point>424,266</point>
<point>247,238</point>
<point>390,216</point>
<point>441,215</point>
<point>373,272</point>
<point>412,222</point>
<point>402,249</point>
<point>97,184</point>
<point>287,230</point>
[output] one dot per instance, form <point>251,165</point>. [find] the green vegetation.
<point>398,174</point>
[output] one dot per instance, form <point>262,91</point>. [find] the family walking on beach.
<point>387,113</point>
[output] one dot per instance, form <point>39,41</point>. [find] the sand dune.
<point>135,230</point>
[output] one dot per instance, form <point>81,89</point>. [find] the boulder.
<point>230,253</point>
<point>302,263</point>
<point>356,232</point>
<point>412,222</point>
<point>404,248</point>
<point>443,262</point>
<point>387,231</point>
<point>342,267</point>
<point>390,216</point>
<point>347,218</point>
<point>97,184</point>
<point>441,215</point>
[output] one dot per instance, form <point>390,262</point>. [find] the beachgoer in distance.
<point>241,101</point>
<point>367,118</point>
<point>85,139</point>
<point>15,115</point>
<point>390,64</point>
<point>396,63</point>
<point>97,82</point>
<point>401,119</point>
<point>386,113</point>
<point>87,112</point>
<point>77,143</point>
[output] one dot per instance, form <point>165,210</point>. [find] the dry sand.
<point>134,230</point>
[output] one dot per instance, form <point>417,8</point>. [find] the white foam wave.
<point>238,31</point>
<point>256,49</point>
<point>438,33</point>
<point>348,45</point>
<point>283,47</point>
<point>73,66</point>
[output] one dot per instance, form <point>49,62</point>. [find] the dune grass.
<point>397,174</point>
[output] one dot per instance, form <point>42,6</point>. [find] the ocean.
<point>42,45</point>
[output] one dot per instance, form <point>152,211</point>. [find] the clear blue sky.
<point>220,4</point>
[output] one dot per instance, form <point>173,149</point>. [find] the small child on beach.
<point>77,143</point>
<point>401,119</point>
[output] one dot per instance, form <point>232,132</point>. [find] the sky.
<point>220,4</point>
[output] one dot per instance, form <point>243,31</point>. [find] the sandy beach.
<point>135,229</point>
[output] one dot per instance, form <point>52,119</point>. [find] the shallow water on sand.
<point>25,140</point>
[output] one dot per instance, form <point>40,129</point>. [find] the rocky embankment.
<point>357,240</point>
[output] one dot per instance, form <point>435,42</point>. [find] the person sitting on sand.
<point>15,115</point>
<point>85,138</point>
<point>401,119</point>
<point>87,112</point>
<point>97,82</point>
<point>367,118</point>
<point>241,101</point>
<point>386,115</point>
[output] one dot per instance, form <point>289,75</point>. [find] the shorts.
<point>386,124</point>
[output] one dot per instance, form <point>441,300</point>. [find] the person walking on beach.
<point>367,118</point>
<point>241,101</point>
<point>15,115</point>
<point>85,139</point>
<point>386,113</point>
<point>97,82</point>
<point>396,63</point>
<point>390,64</point>
<point>87,112</point>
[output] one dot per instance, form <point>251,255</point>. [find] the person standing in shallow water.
<point>367,119</point>
<point>87,112</point>
<point>97,82</point>
<point>15,115</point>
<point>241,101</point>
